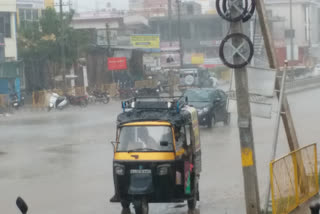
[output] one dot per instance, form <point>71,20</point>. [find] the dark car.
<point>211,105</point>
<point>147,92</point>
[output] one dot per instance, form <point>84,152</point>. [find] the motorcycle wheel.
<point>141,206</point>
<point>106,100</point>
<point>83,103</point>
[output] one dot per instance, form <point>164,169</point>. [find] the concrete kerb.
<point>303,88</point>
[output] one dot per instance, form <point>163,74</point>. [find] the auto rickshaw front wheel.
<point>141,206</point>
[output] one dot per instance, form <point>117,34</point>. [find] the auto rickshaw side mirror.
<point>21,204</point>
<point>114,143</point>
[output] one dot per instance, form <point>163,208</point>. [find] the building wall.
<point>151,8</point>
<point>282,10</point>
<point>10,42</point>
<point>31,10</point>
<point>48,3</point>
<point>8,6</point>
<point>201,34</point>
<point>94,24</point>
<point>299,21</point>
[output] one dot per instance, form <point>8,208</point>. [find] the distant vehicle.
<point>147,92</point>
<point>211,105</point>
<point>81,101</point>
<point>15,102</point>
<point>98,96</point>
<point>57,102</point>
<point>316,70</point>
<point>194,77</point>
<point>298,72</point>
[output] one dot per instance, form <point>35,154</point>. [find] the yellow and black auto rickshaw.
<point>157,154</point>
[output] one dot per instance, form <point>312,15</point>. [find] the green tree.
<point>39,45</point>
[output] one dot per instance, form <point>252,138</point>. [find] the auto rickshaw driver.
<point>145,139</point>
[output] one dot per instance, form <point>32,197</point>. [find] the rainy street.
<point>61,162</point>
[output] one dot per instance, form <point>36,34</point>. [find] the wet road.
<point>60,162</point>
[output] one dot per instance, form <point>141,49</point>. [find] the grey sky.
<point>85,5</point>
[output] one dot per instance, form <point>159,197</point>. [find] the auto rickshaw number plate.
<point>140,171</point>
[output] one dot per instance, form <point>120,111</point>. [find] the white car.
<point>316,70</point>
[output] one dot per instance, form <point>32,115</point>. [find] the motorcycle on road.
<point>15,102</point>
<point>57,102</point>
<point>100,97</point>
<point>81,101</point>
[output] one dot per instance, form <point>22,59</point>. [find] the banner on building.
<point>197,59</point>
<point>151,60</point>
<point>170,59</point>
<point>211,62</point>
<point>117,63</point>
<point>145,41</point>
<point>102,37</point>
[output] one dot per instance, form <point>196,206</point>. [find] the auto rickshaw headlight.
<point>119,169</point>
<point>163,169</point>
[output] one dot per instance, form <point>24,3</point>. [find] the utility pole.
<point>108,48</point>
<point>286,113</point>
<point>291,33</point>
<point>249,169</point>
<point>108,40</point>
<point>276,132</point>
<point>170,21</point>
<point>170,72</point>
<point>63,63</point>
<point>179,32</point>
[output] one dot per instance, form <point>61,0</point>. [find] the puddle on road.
<point>3,153</point>
<point>63,149</point>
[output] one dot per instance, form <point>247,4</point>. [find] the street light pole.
<point>179,31</point>
<point>249,168</point>
<point>63,63</point>
<point>170,21</point>
<point>291,33</point>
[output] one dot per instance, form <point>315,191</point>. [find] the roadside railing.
<point>294,179</point>
<point>291,84</point>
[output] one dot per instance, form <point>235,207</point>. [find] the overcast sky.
<point>85,5</point>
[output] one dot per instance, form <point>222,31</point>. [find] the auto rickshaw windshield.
<point>145,138</point>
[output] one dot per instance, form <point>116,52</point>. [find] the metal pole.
<point>170,21</point>
<point>270,49</point>
<point>249,169</point>
<point>63,63</point>
<point>108,39</point>
<point>291,34</point>
<point>276,131</point>
<point>179,32</point>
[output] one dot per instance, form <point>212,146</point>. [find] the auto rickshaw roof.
<point>170,109</point>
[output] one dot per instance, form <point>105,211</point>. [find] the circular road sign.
<point>236,50</point>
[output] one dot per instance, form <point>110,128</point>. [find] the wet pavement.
<point>61,162</point>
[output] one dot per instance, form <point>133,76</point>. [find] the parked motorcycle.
<point>22,205</point>
<point>81,101</point>
<point>57,102</point>
<point>15,102</point>
<point>100,97</point>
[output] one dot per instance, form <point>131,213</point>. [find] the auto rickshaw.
<point>157,153</point>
